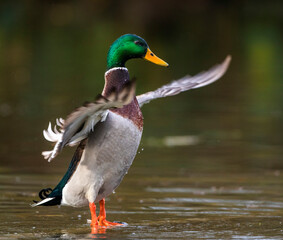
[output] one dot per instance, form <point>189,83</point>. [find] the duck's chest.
<point>116,78</point>
<point>132,113</point>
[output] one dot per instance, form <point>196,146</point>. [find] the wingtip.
<point>228,59</point>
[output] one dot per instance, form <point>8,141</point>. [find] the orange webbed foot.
<point>102,222</point>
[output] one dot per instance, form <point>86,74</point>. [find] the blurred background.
<point>53,58</point>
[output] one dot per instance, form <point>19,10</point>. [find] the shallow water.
<point>210,162</point>
<point>164,201</point>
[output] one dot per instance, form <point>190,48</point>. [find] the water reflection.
<point>98,232</point>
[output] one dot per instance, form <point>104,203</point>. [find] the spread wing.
<point>186,83</point>
<point>82,120</point>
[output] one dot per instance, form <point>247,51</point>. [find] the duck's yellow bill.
<point>150,56</point>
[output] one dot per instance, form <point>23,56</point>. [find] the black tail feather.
<point>43,194</point>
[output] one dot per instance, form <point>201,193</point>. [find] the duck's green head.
<point>130,46</point>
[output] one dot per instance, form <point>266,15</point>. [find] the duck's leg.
<point>102,216</point>
<point>94,220</point>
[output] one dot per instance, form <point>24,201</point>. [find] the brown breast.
<point>116,78</point>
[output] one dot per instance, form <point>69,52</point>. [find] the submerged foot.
<point>102,222</point>
<point>99,222</point>
<point>102,225</point>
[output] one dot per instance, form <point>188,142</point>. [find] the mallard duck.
<point>108,131</point>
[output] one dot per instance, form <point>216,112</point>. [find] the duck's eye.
<point>138,43</point>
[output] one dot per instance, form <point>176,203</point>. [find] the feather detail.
<point>186,83</point>
<point>82,121</point>
<point>53,136</point>
<point>60,122</point>
<point>42,202</point>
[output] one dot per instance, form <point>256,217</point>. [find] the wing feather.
<point>82,120</point>
<point>186,83</point>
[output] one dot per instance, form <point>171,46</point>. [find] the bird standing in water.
<point>108,131</point>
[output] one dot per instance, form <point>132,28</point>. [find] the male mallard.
<point>108,131</point>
